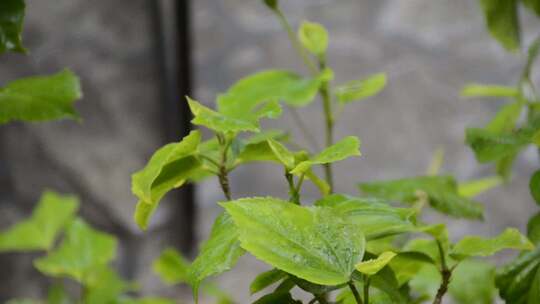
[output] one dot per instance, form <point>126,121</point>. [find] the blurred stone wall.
<point>429,49</point>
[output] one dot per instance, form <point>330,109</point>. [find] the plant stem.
<point>446,275</point>
<point>324,91</point>
<point>366,289</point>
<point>294,195</point>
<point>355,293</point>
<point>223,173</point>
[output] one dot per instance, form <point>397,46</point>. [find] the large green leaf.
<point>534,186</point>
<point>52,213</point>
<point>11,23</point>
<point>245,96</point>
<point>218,254</point>
<point>312,243</point>
<point>40,98</point>
<point>502,21</point>
<point>469,246</point>
<point>82,251</point>
<point>349,146</point>
<point>167,169</point>
<point>219,122</point>
<point>515,280</point>
<point>357,90</point>
<point>441,191</point>
<point>171,267</point>
<point>375,218</point>
<point>473,282</point>
<point>314,37</point>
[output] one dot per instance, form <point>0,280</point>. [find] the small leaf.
<point>167,169</point>
<point>371,267</point>
<point>314,37</point>
<point>490,146</point>
<point>104,285</point>
<point>489,90</point>
<point>349,146</point>
<point>441,191</point>
<point>478,186</point>
<point>52,213</point>
<point>473,282</point>
<point>534,186</point>
<point>81,252</point>
<point>357,90</point>
<point>40,98</point>
<point>312,243</point>
<point>218,254</point>
<point>281,152</point>
<point>11,23</point>
<point>244,97</point>
<point>506,119</point>
<point>469,246</point>
<point>266,279</point>
<point>171,267</point>
<point>533,229</point>
<point>515,279</point>
<point>502,21</point>
<point>213,120</point>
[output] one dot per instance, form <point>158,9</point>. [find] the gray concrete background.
<point>429,49</point>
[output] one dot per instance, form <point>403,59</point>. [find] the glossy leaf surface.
<point>312,243</point>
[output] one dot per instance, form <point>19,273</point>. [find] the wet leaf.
<point>312,243</point>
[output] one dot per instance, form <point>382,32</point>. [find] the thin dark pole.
<point>172,28</point>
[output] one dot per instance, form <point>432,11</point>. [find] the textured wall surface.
<point>429,49</point>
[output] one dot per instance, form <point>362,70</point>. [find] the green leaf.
<point>478,186</point>
<point>375,218</point>
<point>534,292</point>
<point>312,243</point>
<point>104,285</point>
<point>58,295</point>
<point>168,168</point>
<point>349,146</point>
<point>281,297</point>
<point>40,98</point>
<point>314,37</point>
<point>473,282</point>
<point>489,90</point>
<point>372,266</point>
<point>503,22</point>
<point>81,252</point>
<point>39,232</point>
<point>11,23</point>
<point>469,246</point>
<point>489,146</point>
<point>514,280</point>
<point>506,119</point>
<point>534,186</point>
<point>281,152</point>
<point>218,254</point>
<point>245,96</point>
<point>533,229</point>
<point>361,89</point>
<point>219,122</point>
<point>266,279</point>
<point>533,5</point>
<point>272,4</point>
<point>441,191</point>
<point>171,267</point>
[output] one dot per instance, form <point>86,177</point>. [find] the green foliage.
<point>470,246</point>
<point>441,192</point>
<point>502,21</point>
<point>66,260</point>
<point>534,186</point>
<point>347,147</point>
<point>372,266</point>
<point>266,279</point>
<point>11,23</point>
<point>218,254</point>
<point>169,168</point>
<point>483,90</point>
<point>473,281</point>
<point>171,267</point>
<point>40,98</point>
<point>515,280</point>
<point>313,37</point>
<point>39,232</point>
<point>315,243</point>
<point>357,90</point>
